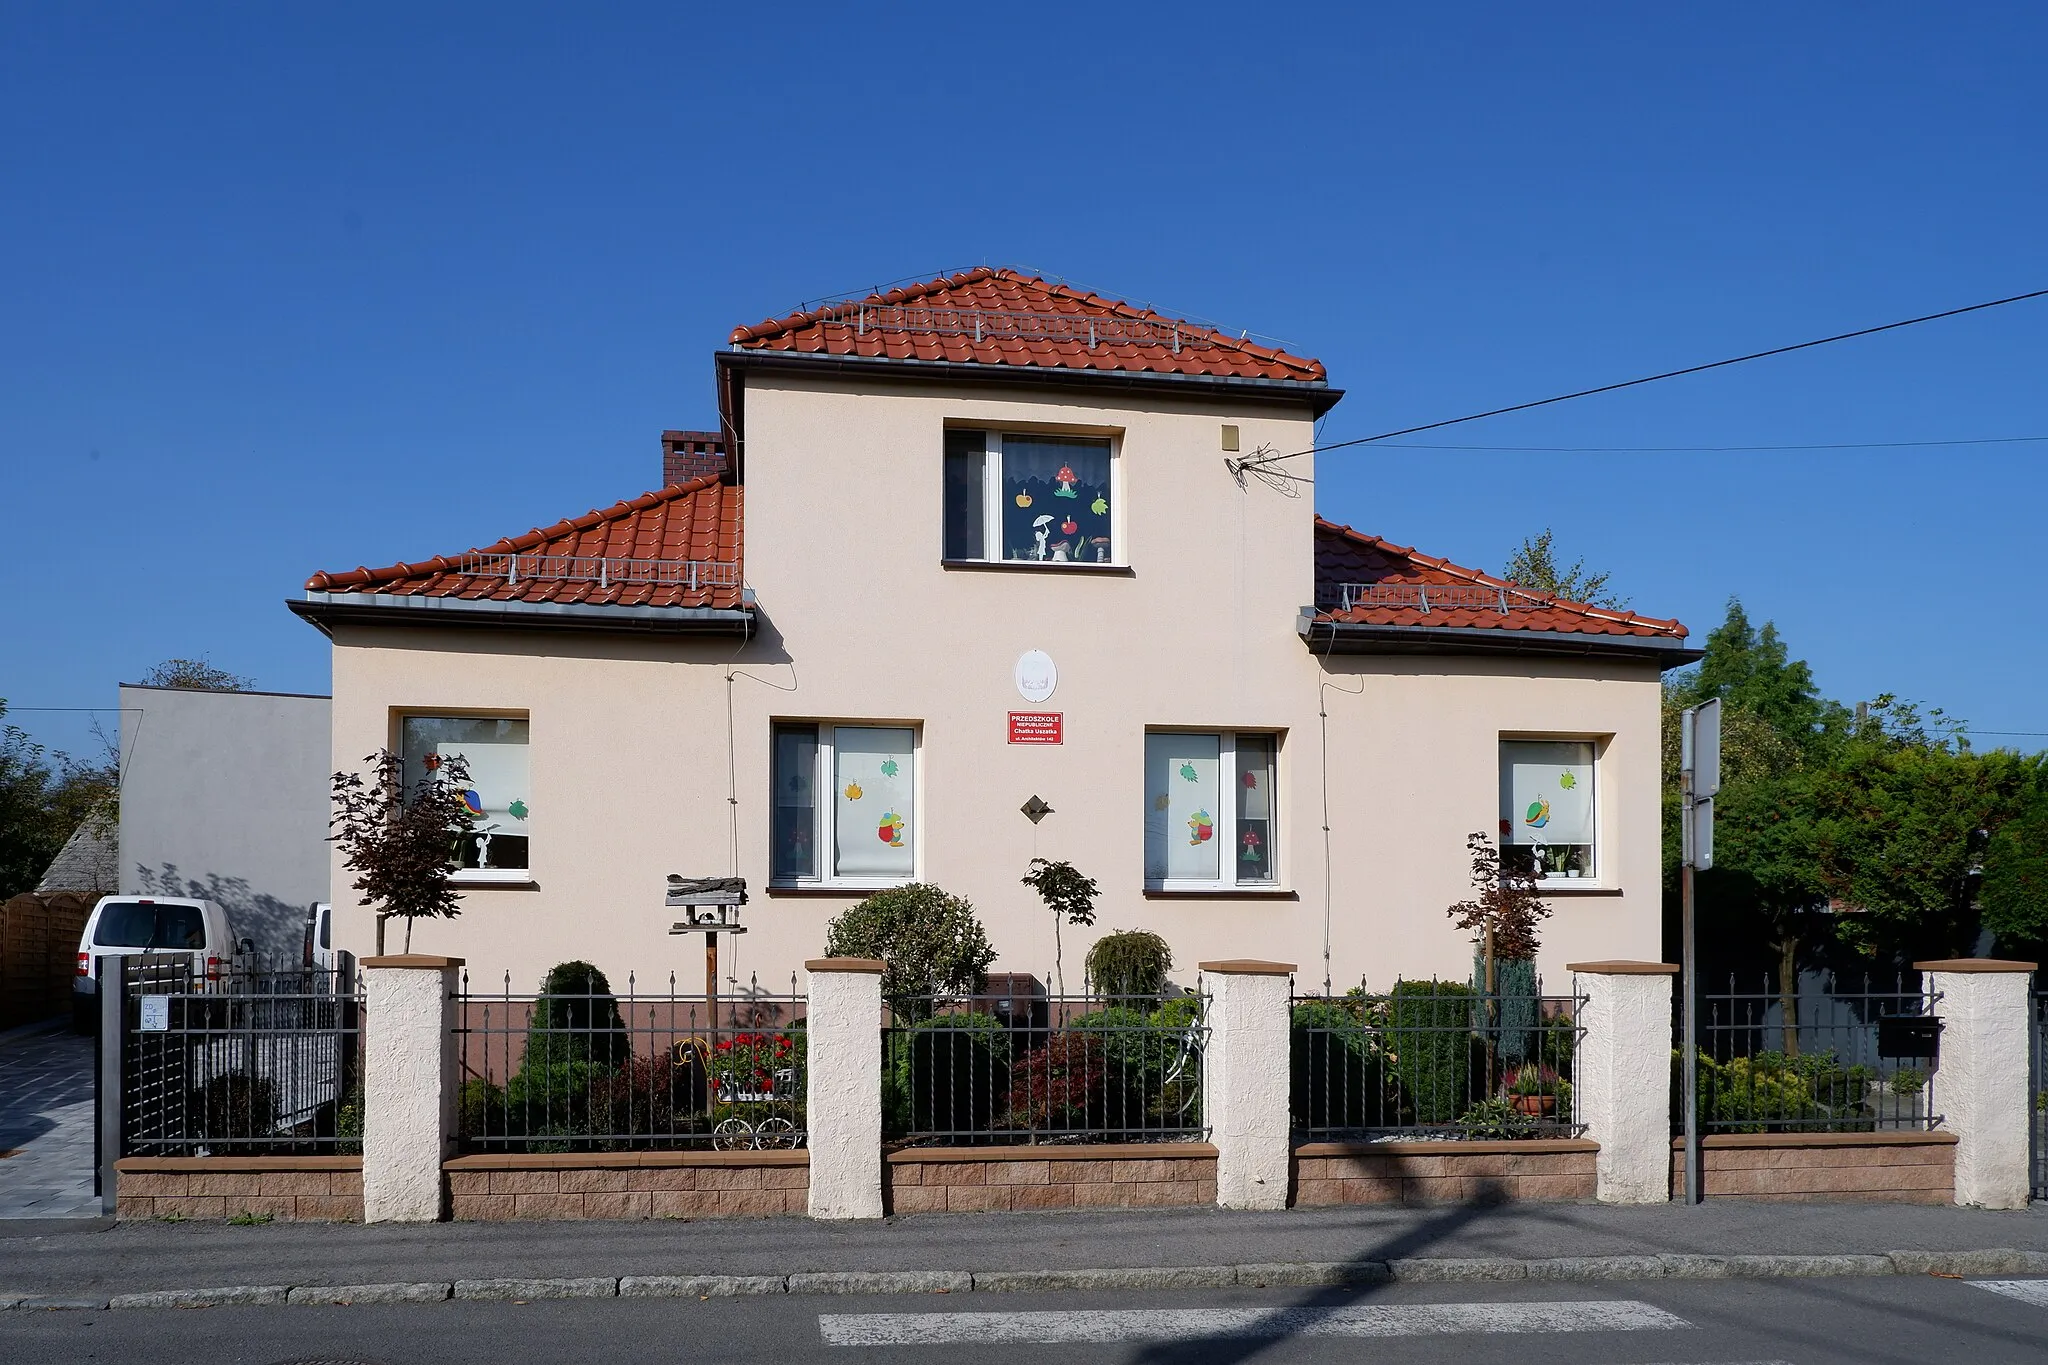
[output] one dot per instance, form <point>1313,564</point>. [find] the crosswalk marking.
<point>1202,1324</point>
<point>2026,1291</point>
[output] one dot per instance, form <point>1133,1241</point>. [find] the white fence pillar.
<point>1245,1081</point>
<point>1981,1085</point>
<point>843,1087</point>
<point>1621,1078</point>
<point>409,1084</point>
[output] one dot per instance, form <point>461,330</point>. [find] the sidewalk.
<point>98,1258</point>
<point>46,1123</point>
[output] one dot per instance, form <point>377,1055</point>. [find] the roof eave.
<point>1315,393</point>
<point>1348,637</point>
<point>325,610</point>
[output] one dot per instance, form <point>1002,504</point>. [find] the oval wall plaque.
<point>1036,675</point>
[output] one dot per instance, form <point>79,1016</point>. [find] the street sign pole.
<point>1699,781</point>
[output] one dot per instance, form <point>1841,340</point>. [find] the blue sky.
<point>300,287</point>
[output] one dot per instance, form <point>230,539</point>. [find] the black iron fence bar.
<point>591,1070</point>
<point>1012,1066</point>
<point>245,1061</point>
<point>1433,1060</point>
<point>1844,1061</point>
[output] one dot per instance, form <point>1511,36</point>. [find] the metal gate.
<point>251,1062</point>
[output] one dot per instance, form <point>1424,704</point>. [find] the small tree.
<point>930,943</point>
<point>1535,566</point>
<point>1069,895</point>
<point>1502,916</point>
<point>402,844</point>
<point>196,675</point>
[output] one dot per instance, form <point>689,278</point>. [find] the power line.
<point>1671,374</point>
<point>1721,450</point>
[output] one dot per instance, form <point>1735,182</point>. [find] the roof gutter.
<point>1345,637</point>
<point>1318,396</point>
<point>326,610</point>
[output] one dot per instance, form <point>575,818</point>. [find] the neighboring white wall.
<point>1981,1086</point>
<point>843,1087</point>
<point>1621,1077</point>
<point>1245,1080</point>
<point>224,796</point>
<point>409,1085</point>
<point>631,747</point>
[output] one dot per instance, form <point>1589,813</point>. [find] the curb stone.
<point>1595,1268</point>
<point>699,1286</point>
<point>1457,1270</point>
<point>368,1293</point>
<point>1998,1261</point>
<point>1139,1277</point>
<point>589,1287</point>
<point>881,1282</point>
<point>256,1295</point>
<point>57,1301</point>
<point>1312,1274</point>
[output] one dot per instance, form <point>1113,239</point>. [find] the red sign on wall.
<point>1035,727</point>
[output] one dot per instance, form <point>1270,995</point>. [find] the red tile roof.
<point>1002,317</point>
<point>644,552</point>
<point>1391,585</point>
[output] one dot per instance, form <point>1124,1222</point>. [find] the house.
<point>965,547</point>
<point>224,798</point>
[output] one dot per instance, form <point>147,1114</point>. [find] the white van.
<point>319,952</point>
<point>162,927</point>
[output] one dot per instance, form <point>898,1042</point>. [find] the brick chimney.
<point>687,455</point>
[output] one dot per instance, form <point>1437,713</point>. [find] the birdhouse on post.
<point>711,906</point>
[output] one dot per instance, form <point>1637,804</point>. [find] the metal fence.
<point>1433,1059</point>
<point>1844,1061</point>
<point>1028,1068</point>
<point>256,1061</point>
<point>2037,1109</point>
<point>596,1071</point>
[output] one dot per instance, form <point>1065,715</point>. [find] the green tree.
<point>1535,566</point>
<point>43,798</point>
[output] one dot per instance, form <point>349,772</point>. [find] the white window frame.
<point>992,502</point>
<point>479,876</point>
<point>1546,883</point>
<point>1226,815</point>
<point>824,832</point>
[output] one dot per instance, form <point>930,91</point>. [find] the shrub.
<point>948,1072</point>
<point>1908,1080</point>
<point>1129,962</point>
<point>234,1106</point>
<point>930,941</point>
<point>1058,1085</point>
<point>1496,1119</point>
<point>479,1109</point>
<point>1337,1079</point>
<point>576,1019</point>
<point>553,1099</point>
<point>348,1119</point>
<point>1429,1036</point>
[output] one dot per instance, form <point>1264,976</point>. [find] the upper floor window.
<point>1209,810</point>
<point>1548,815</point>
<point>863,831</point>
<point>497,792</point>
<point>1029,498</point>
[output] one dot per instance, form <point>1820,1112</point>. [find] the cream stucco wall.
<point>631,747</point>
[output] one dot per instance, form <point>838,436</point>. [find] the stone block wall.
<point>1894,1168</point>
<point>1107,1176</point>
<point>503,1187</point>
<point>1327,1173</point>
<point>284,1188</point>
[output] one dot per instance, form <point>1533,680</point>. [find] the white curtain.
<point>1181,810</point>
<point>873,802</point>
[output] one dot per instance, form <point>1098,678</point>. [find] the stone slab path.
<point>46,1124</point>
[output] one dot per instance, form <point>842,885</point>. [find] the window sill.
<point>840,889</point>
<point>1224,893</point>
<point>1573,886</point>
<point>513,879</point>
<point>1038,566</point>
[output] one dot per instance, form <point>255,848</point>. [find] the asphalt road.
<point>1878,1321</point>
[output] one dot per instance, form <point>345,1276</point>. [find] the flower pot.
<point>1536,1106</point>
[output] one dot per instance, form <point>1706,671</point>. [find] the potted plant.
<point>1536,1090</point>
